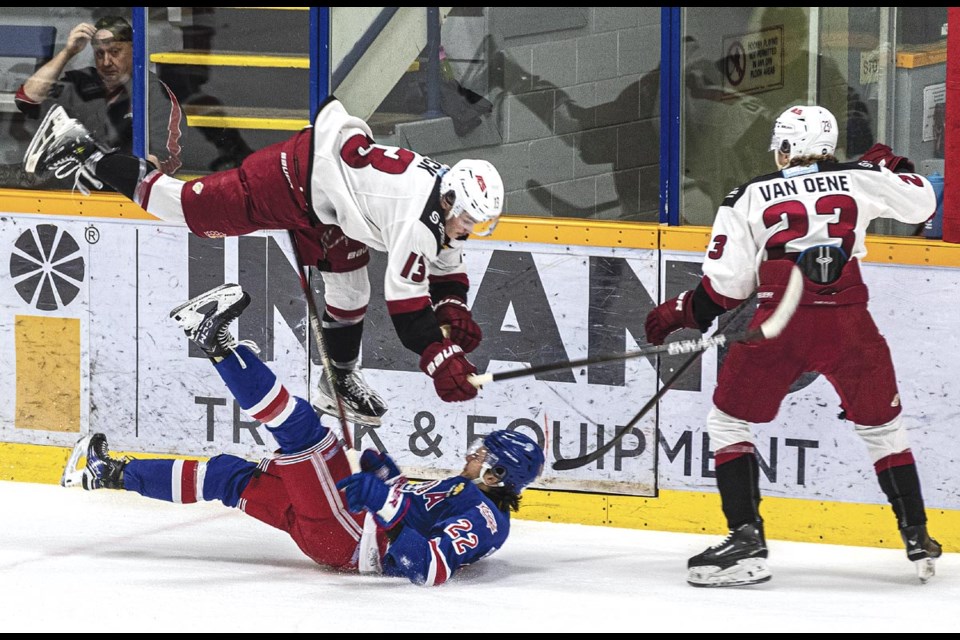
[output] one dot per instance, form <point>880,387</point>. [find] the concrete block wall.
<point>575,124</point>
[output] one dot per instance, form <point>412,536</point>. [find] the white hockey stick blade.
<point>778,320</point>
<point>479,381</point>
<point>73,476</point>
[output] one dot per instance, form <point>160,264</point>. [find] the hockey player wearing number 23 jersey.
<point>812,212</point>
<point>372,521</point>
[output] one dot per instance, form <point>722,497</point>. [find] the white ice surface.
<point>111,561</point>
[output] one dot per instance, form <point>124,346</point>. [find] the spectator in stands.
<point>100,96</point>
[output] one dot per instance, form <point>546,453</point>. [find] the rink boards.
<point>89,346</point>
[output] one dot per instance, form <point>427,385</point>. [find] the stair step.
<point>220,116</point>
<point>230,59</point>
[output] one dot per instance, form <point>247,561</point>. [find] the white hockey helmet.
<point>804,130</point>
<point>477,191</point>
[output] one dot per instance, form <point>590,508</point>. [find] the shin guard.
<point>738,481</point>
<point>901,485</point>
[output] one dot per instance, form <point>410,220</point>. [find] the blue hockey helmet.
<point>514,458</point>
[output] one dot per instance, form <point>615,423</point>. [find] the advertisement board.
<point>149,389</point>
<point>90,345</point>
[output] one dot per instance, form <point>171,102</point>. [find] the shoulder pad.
<point>432,216</point>
<point>859,165</point>
<point>732,197</point>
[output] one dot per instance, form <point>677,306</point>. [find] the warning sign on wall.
<point>753,62</point>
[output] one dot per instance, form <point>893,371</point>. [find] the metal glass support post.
<point>671,79</point>
<point>433,63</point>
<point>138,101</point>
<point>319,57</point>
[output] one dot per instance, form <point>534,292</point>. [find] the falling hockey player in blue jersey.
<point>374,521</point>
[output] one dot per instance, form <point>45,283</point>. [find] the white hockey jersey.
<point>385,197</point>
<point>782,214</point>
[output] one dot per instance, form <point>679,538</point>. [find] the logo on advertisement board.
<point>46,267</point>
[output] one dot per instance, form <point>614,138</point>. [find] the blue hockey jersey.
<point>448,524</point>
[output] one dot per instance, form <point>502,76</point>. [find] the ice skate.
<point>62,146</point>
<point>922,550</point>
<point>206,318</point>
<point>741,559</point>
<point>100,471</point>
<point>361,404</point>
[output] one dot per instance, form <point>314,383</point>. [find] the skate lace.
<point>65,129</point>
<point>723,542</point>
<point>101,450</point>
<point>355,385</point>
<point>68,165</point>
<point>226,340</point>
<point>107,462</point>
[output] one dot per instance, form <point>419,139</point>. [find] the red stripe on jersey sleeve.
<point>459,278</point>
<point>273,409</point>
<point>409,305</point>
<point>188,482</point>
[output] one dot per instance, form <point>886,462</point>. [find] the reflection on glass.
<point>565,102</point>
<point>98,92</point>
<point>742,68</point>
<point>240,73</point>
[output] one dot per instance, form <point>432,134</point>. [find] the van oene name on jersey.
<point>810,184</point>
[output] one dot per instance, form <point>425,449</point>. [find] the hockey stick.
<point>670,348</point>
<point>314,316</point>
<point>674,348</point>
<point>770,328</point>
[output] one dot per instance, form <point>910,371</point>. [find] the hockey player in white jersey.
<point>339,193</point>
<point>813,212</point>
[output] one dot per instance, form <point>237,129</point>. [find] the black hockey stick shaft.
<point>582,461</point>
<point>314,317</point>
<point>771,328</point>
<point>670,348</point>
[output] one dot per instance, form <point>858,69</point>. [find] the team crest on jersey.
<point>433,498</point>
<point>419,487</point>
<point>197,187</point>
<point>488,518</point>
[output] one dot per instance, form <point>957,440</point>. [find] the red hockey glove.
<point>463,330</point>
<point>449,368</point>
<point>670,316</point>
<point>883,155</point>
